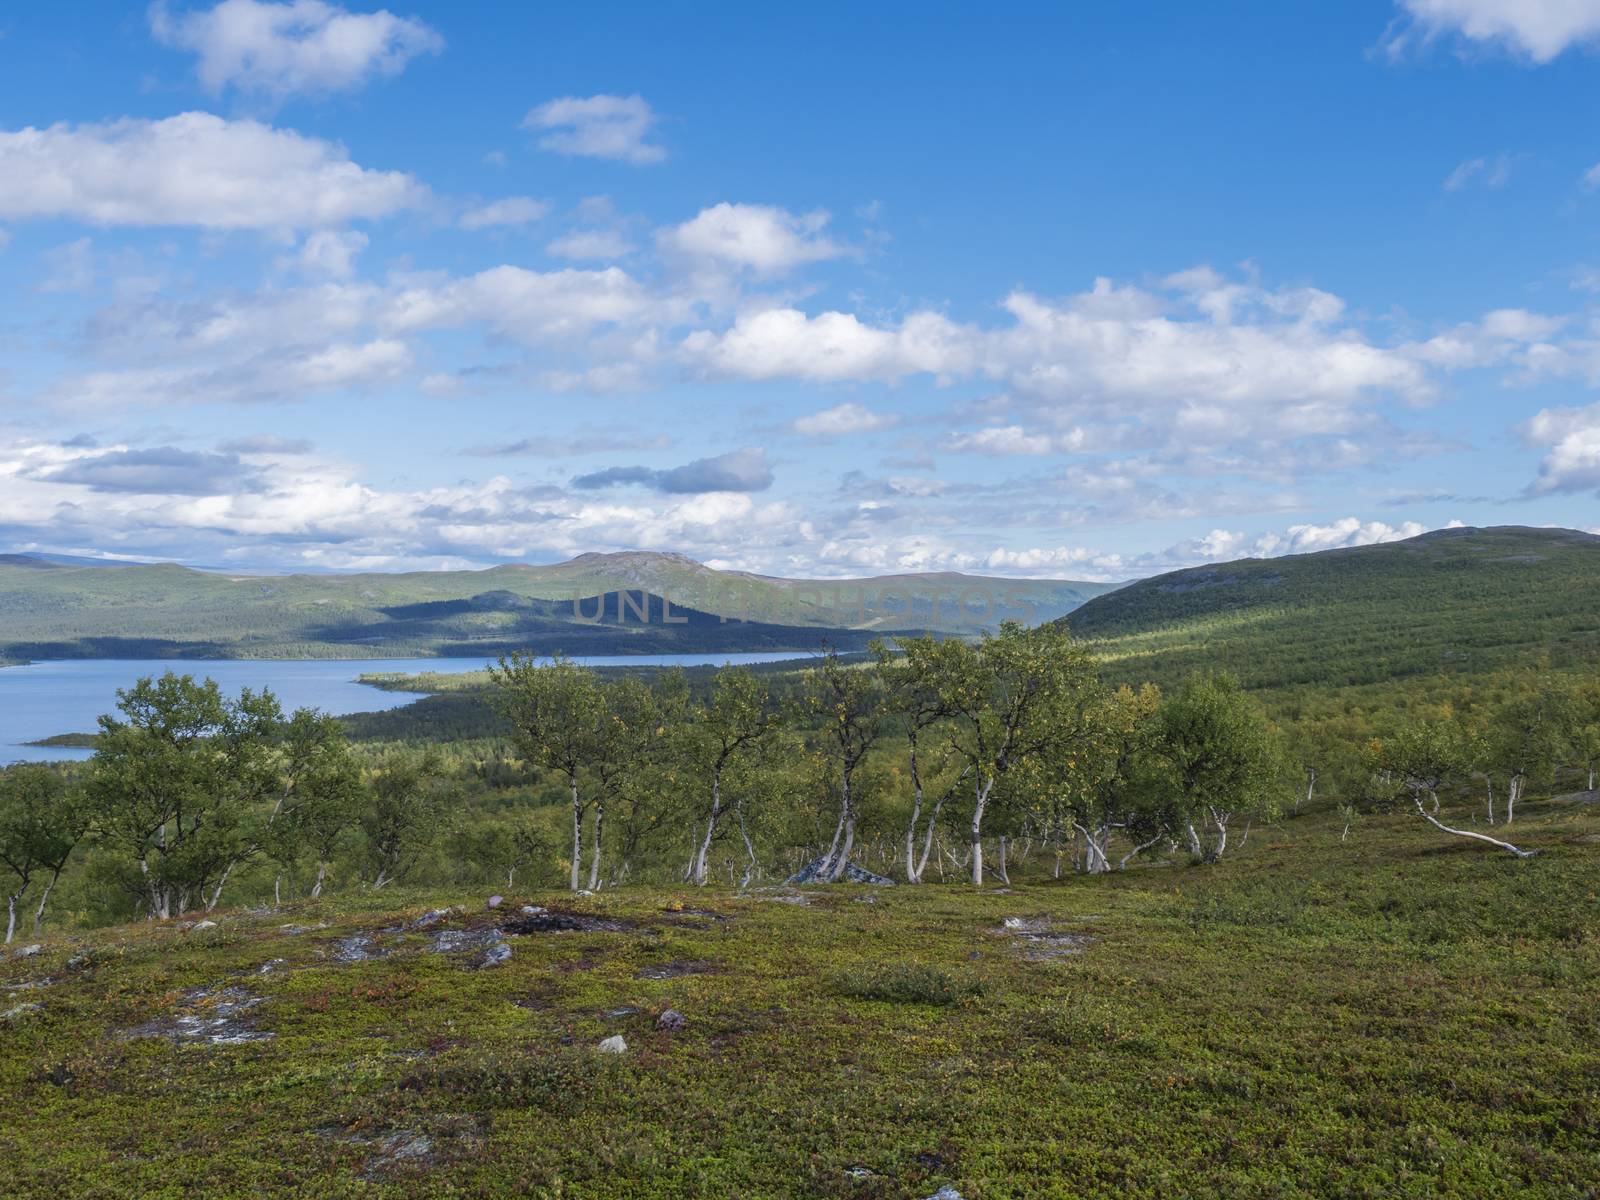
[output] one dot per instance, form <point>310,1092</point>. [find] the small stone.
<point>613,1045</point>
<point>945,1193</point>
<point>496,901</point>
<point>204,925</point>
<point>29,951</point>
<point>672,1021</point>
<point>496,954</point>
<point>20,1011</point>
<point>533,910</point>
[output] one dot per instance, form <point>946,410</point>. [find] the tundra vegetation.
<point>1187,942</point>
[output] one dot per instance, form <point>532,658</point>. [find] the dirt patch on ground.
<point>564,922</point>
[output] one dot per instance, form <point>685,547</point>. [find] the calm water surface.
<point>43,699</point>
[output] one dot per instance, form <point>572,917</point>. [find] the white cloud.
<point>765,239</point>
<point>1571,438</point>
<point>1537,30</point>
<point>192,169</point>
<point>303,46</point>
<point>513,210</point>
<point>1199,359</point>
<point>1007,440</point>
<point>784,343</point>
<point>616,127</point>
<point>528,306</point>
<point>843,419</point>
<point>305,510</point>
<point>331,253</point>
<point>594,244</point>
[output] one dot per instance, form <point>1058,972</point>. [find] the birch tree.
<point>321,794</point>
<point>180,782</point>
<point>1220,750</point>
<point>41,823</point>
<point>911,681</point>
<point>405,811</point>
<point>1424,756</point>
<point>1004,696</point>
<point>736,717</point>
<point>558,712</point>
<point>847,706</point>
<point>1532,735</point>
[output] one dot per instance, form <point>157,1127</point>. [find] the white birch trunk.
<point>1467,833</point>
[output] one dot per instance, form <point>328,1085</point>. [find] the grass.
<point>1396,1015</point>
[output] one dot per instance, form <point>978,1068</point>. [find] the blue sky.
<point>1079,291</point>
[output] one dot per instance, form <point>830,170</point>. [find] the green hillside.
<point>595,603</point>
<point>1453,602</point>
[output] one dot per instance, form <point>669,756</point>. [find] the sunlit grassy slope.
<point>1395,1015</point>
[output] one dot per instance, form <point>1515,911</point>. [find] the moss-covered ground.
<point>1394,1015</point>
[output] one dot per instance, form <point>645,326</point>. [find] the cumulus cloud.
<point>1535,30</point>
<point>764,239</point>
<point>738,471</point>
<point>299,47</point>
<point>192,169</point>
<point>1199,357</point>
<point>785,343</point>
<point>1571,440</point>
<point>843,419</point>
<point>615,127</point>
<point>513,210</point>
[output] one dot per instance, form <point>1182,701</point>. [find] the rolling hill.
<point>593,604</point>
<point>1451,602</point>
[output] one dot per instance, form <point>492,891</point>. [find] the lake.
<point>43,699</point>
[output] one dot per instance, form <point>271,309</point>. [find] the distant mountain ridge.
<point>631,602</point>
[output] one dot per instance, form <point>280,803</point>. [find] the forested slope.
<point>1452,602</point>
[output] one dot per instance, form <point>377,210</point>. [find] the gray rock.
<point>203,925</point>
<point>945,1193</point>
<point>613,1045</point>
<point>20,1011</point>
<point>672,1021</point>
<point>533,910</point>
<point>29,951</point>
<point>433,917</point>
<point>812,873</point>
<point>496,954</point>
<point>357,948</point>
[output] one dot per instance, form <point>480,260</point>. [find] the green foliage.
<point>177,783</point>
<point>905,983</point>
<point>409,807</point>
<point>42,820</point>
